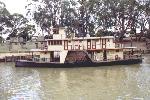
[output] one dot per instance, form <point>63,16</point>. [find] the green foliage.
<point>17,23</point>
<point>4,16</point>
<point>27,32</point>
<point>14,24</point>
<point>80,16</point>
<point>104,33</point>
<point>88,15</point>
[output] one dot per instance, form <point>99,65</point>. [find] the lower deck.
<point>81,56</point>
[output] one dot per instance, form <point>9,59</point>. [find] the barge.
<point>64,52</point>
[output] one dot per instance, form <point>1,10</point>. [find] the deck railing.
<point>125,57</point>
<point>132,56</point>
<point>36,59</point>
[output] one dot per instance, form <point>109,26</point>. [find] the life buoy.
<point>116,57</point>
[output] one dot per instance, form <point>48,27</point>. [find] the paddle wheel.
<point>77,57</point>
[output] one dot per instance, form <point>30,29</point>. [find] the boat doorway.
<point>104,55</point>
<point>91,54</point>
<point>55,56</point>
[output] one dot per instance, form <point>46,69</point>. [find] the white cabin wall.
<point>112,53</point>
<point>98,56</point>
<point>55,48</point>
<point>45,55</point>
<point>75,45</point>
<point>36,53</point>
<point>61,35</point>
<point>110,44</point>
<point>120,54</point>
<point>63,55</point>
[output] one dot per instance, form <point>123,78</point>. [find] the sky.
<point>15,6</point>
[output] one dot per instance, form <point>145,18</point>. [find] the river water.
<point>100,83</point>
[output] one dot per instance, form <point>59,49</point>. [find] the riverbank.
<point>142,46</point>
<point>13,56</point>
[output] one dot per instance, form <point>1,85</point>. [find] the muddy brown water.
<point>94,83</point>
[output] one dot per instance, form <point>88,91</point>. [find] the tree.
<point>147,15</point>
<point>18,22</point>
<point>27,32</point>
<point>14,25</point>
<point>4,16</point>
<point>46,14</point>
<point>68,13</point>
<point>86,16</point>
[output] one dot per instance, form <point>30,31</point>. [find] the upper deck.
<point>86,43</point>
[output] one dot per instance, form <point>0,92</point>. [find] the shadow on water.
<point>98,83</point>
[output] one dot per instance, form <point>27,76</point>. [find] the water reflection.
<point>101,83</point>
<point>19,83</point>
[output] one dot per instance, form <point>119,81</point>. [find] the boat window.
<point>108,40</point>
<point>48,42</point>
<point>117,45</point>
<point>88,40</point>
<point>55,31</point>
<point>98,51</point>
<point>56,42</point>
<point>117,50</point>
<point>52,43</point>
<point>60,42</point>
<point>36,45</point>
<point>97,40</point>
<point>93,42</point>
<point>80,41</point>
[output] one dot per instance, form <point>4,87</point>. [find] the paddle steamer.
<point>60,52</point>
